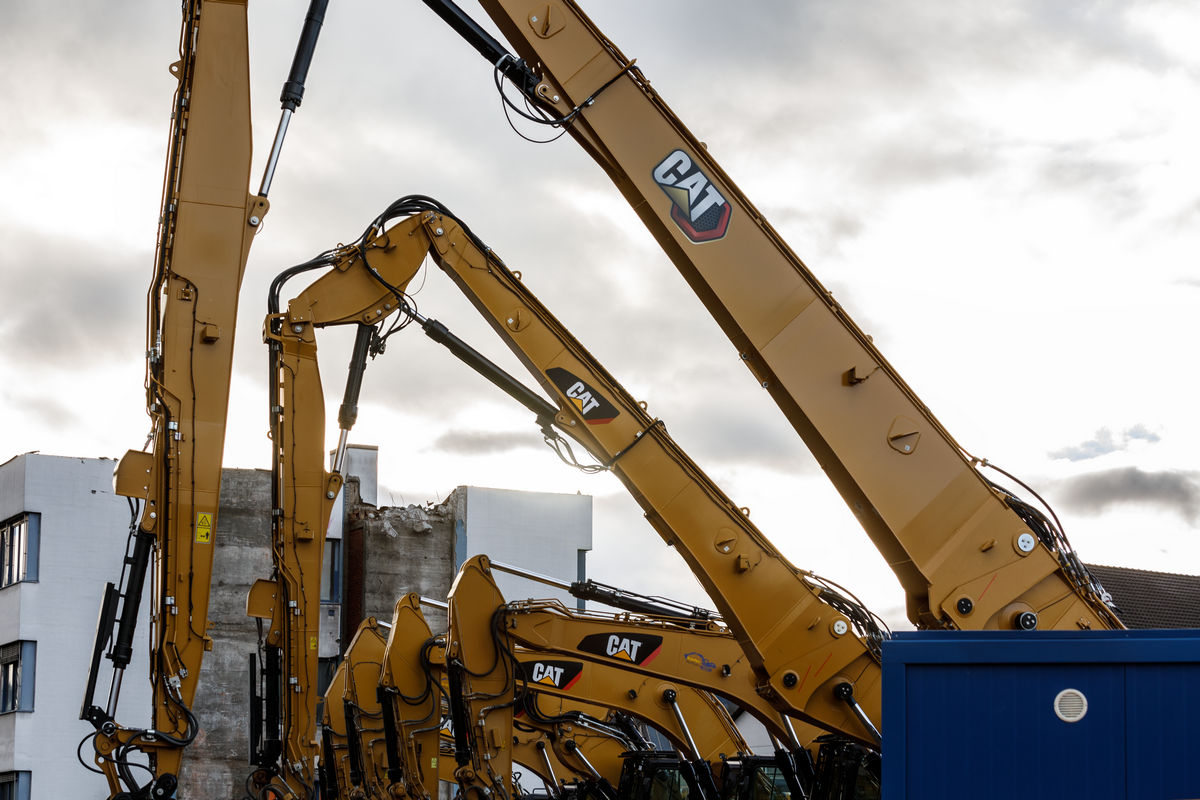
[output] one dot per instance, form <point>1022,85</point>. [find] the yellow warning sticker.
<point>433,762</point>
<point>312,643</point>
<point>204,526</point>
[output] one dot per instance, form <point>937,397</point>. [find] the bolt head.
<point>254,221</point>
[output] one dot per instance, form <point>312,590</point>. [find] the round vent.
<point>1070,705</point>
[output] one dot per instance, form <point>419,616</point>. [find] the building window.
<point>331,572</point>
<point>17,660</point>
<point>14,786</point>
<point>18,550</point>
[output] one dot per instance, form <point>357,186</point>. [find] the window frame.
<point>18,670</point>
<point>20,540</point>
<point>15,784</point>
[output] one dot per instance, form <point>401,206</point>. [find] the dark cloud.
<point>1096,492</point>
<point>476,442</point>
<point>1083,171</point>
<point>726,429</point>
<point>78,304</point>
<point>88,60</point>
<point>1104,442</point>
<point>37,409</point>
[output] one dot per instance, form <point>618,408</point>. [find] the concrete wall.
<point>217,763</point>
<point>392,551</point>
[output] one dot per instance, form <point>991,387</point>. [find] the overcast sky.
<point>1003,194</point>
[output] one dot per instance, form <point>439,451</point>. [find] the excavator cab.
<point>847,771</point>
<point>754,778</point>
<point>654,775</point>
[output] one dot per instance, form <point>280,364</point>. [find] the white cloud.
<point>1001,193</point>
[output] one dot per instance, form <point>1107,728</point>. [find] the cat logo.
<point>596,410</point>
<point>632,648</point>
<point>697,206</point>
<point>559,674</point>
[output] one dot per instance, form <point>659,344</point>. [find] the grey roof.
<point>1152,599</point>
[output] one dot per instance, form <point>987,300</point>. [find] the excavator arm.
<point>414,659</point>
<point>695,722</point>
<point>968,553</point>
<point>811,648</point>
<point>207,225</point>
<point>354,730</point>
<point>410,701</point>
<point>661,671</point>
<point>304,492</point>
<point>482,678</point>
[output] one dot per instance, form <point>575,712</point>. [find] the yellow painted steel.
<point>802,640</point>
<point>481,665</point>
<point>208,222</point>
<point>412,684</point>
<point>304,491</point>
<point>948,534</point>
<point>353,684</point>
<point>614,687</point>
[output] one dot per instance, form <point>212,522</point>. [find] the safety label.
<point>204,526</point>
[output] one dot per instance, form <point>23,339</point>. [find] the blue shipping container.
<point>1053,714</point>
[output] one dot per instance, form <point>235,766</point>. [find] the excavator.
<point>812,654</point>
<point>969,553</point>
<point>208,221</point>
<point>382,721</point>
<point>666,653</point>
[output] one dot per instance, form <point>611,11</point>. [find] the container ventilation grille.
<point>1070,705</point>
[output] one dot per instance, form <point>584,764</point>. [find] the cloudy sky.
<point>1003,194</point>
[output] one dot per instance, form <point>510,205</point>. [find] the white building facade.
<point>62,537</point>
<point>548,534</point>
